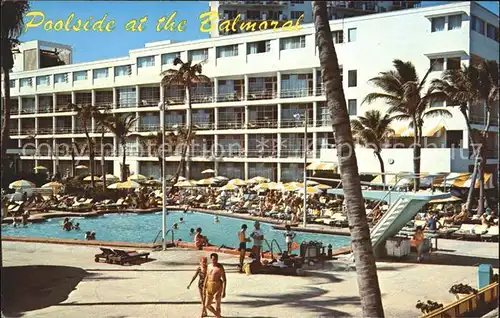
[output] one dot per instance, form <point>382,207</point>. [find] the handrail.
<point>386,194</point>
<point>157,235</point>
<point>279,248</point>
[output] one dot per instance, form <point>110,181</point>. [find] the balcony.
<point>153,102</point>
<point>296,93</point>
<point>262,123</point>
<point>64,130</point>
<point>229,97</point>
<point>262,94</point>
<point>26,111</point>
<point>230,125</point>
<point>28,131</point>
<point>44,109</point>
<point>148,127</point>
<point>294,123</point>
<point>14,111</point>
<point>262,153</point>
<point>45,131</point>
<point>202,98</point>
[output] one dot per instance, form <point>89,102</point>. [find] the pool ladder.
<point>166,234</point>
<point>270,246</point>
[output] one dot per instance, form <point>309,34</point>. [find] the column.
<point>315,113</point>
<point>278,155</point>
<point>93,128</point>
<point>246,116</point>
<point>246,170</point>
<point>315,81</point>
<point>55,154</point>
<point>216,118</point>
<point>278,175</point>
<point>54,102</point>
<point>246,87</point>
<point>214,152</point>
<point>36,104</point>
<point>246,145</point>
<point>315,144</point>
<point>216,89</point>
<point>54,125</point>
<point>20,103</point>
<point>137,96</point>
<point>115,98</point>
<point>279,116</point>
<point>278,84</point>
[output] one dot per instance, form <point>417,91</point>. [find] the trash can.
<point>484,275</point>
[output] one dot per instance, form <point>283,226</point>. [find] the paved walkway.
<point>47,280</point>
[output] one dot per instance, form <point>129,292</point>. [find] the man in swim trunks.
<point>243,245</point>
<point>215,285</point>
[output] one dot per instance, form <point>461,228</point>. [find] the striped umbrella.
<point>22,184</point>
<point>208,171</point>
<point>222,178</point>
<point>81,167</point>
<point>237,182</point>
<point>125,185</point>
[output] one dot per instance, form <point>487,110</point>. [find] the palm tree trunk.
<point>6,115</point>
<point>103,163</point>
<point>482,164</point>
<point>124,170</point>
<point>381,162</point>
<point>73,167</point>
<point>185,146</point>
<point>416,155</point>
<point>475,150</point>
<point>91,154</point>
<point>371,302</point>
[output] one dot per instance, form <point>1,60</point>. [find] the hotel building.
<point>260,82</point>
<point>281,11</point>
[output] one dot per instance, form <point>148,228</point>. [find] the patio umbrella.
<point>237,182</point>
<point>21,184</point>
<point>310,190</point>
<point>180,178</point>
<point>258,180</point>
<point>52,185</point>
<point>208,171</point>
<point>222,178</point>
<point>294,184</point>
<point>89,178</point>
<point>153,182</point>
<point>312,182</point>
<point>262,186</point>
<point>40,168</point>
<point>125,185</point>
<point>110,177</point>
<point>81,167</point>
<point>322,186</point>
<point>208,181</point>
<point>185,184</point>
<point>229,187</point>
<point>447,200</point>
<point>290,188</point>
<point>137,177</point>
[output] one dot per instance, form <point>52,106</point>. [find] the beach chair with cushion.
<point>491,235</point>
<point>106,253</point>
<point>122,257</point>
<point>465,231</point>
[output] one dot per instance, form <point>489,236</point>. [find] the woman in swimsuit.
<point>201,272</point>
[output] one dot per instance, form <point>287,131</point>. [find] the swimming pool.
<point>143,228</point>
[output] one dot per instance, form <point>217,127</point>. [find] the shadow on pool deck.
<point>438,258</point>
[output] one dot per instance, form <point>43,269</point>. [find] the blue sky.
<point>91,45</point>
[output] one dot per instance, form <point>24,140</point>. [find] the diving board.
<point>405,207</point>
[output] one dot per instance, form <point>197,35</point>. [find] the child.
<point>419,239</point>
<point>289,236</point>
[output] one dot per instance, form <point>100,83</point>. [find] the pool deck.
<point>48,280</point>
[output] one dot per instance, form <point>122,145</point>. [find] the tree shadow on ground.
<point>437,258</point>
<point>27,288</point>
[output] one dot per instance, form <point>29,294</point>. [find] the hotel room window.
<point>338,37</point>
<point>352,107</point>
<point>454,22</point>
<point>146,61</point>
<point>169,58</point>
<point>227,51</point>
<point>295,42</point>
<point>258,47</point>
<point>101,73</point>
<point>79,76</point>
<point>351,35</point>
<point>437,24</point>
<point>61,78</point>
<point>296,14</point>
<point>352,78</point>
<point>453,63</point>
<point>43,80</point>
<point>125,70</point>
<point>198,55</point>
<point>437,64</point>
<point>26,82</point>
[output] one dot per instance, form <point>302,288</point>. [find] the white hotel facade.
<point>260,81</point>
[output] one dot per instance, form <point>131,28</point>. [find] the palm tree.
<point>12,25</point>
<point>188,76</point>
<point>403,91</point>
<point>372,131</point>
<point>101,118</point>
<point>361,245</point>
<point>121,127</point>
<point>86,113</point>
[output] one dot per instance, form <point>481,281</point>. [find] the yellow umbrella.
<point>312,183</point>
<point>237,182</point>
<point>310,190</point>
<point>40,168</point>
<point>323,186</point>
<point>208,181</point>
<point>185,184</point>
<point>262,186</point>
<point>229,187</point>
<point>125,185</point>
<point>52,185</point>
<point>153,182</point>
<point>21,184</point>
<point>110,178</point>
<point>208,171</point>
<point>294,184</point>
<point>81,167</point>
<point>258,180</point>
<point>89,178</point>
<point>290,188</point>
<point>137,177</point>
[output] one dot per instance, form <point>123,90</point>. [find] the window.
<point>145,61</point>
<point>26,82</point>
<point>351,35</point>
<point>296,14</point>
<point>454,22</point>
<point>258,47</point>
<point>453,63</point>
<point>338,36</point>
<point>437,103</point>
<point>61,78</point>
<point>492,32</point>
<point>169,58</point>
<point>198,55</point>
<point>12,83</point>
<point>477,24</point>
<point>101,73</point>
<point>437,64</point>
<point>437,24</point>
<point>253,15</point>
<point>352,105</point>
<point>126,97</point>
<point>125,70</point>
<point>43,80</point>
<point>227,51</point>
<point>352,78</point>
<point>79,76</point>
<point>295,42</point>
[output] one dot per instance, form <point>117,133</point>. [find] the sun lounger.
<point>121,257</point>
<point>465,231</point>
<point>491,235</point>
<point>106,253</point>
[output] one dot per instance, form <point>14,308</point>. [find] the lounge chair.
<point>465,231</point>
<point>106,253</point>
<point>491,235</point>
<point>121,257</point>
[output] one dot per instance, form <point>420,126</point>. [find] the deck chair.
<point>463,231</point>
<point>106,253</point>
<point>491,235</point>
<point>121,257</point>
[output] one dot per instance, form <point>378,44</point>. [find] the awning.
<point>427,131</point>
<point>322,166</point>
<point>453,179</point>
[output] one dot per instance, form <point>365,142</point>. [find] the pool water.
<point>143,228</point>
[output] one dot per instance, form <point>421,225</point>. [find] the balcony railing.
<point>320,91</point>
<point>481,120</point>
<point>25,111</point>
<point>45,130</point>
<point>174,126</point>
<point>63,130</point>
<point>261,94</point>
<point>28,131</point>
<point>14,131</point>
<point>262,153</point>
<point>295,153</point>
<point>201,99</point>
<point>262,123</point>
<point>229,97</point>
<point>203,126</point>
<point>14,111</point>
<point>62,108</point>
<point>294,123</point>
<point>296,93</point>
<point>147,103</point>
<point>174,100</point>
<point>81,130</point>
<point>323,122</point>
<point>43,110</point>
<point>230,125</point>
<point>148,127</point>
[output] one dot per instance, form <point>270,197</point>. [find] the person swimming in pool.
<point>216,219</point>
<point>191,232</point>
<point>181,220</point>
<point>76,227</point>
<point>175,226</point>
